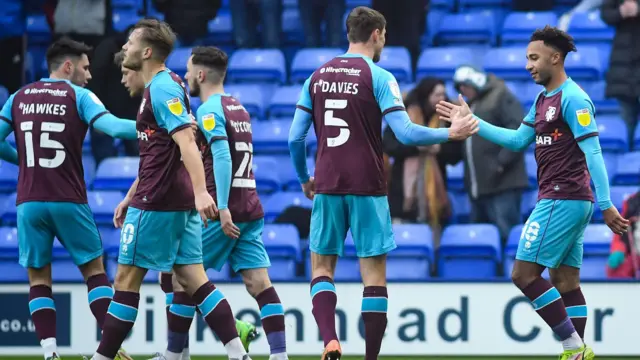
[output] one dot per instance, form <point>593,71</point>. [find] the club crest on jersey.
<point>175,106</point>
<point>208,122</point>
<point>584,117</point>
<point>551,112</point>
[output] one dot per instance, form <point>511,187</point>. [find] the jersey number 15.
<point>45,143</point>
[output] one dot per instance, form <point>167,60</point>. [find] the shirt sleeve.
<point>304,102</point>
<point>579,114</point>
<point>168,105</point>
<point>5,113</point>
<point>386,91</point>
<point>90,108</point>
<point>212,125</point>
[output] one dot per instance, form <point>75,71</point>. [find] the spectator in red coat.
<point>624,260</point>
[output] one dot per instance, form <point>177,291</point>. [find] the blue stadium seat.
<point>603,105</point>
<point>38,29</point>
<point>10,269</point>
<point>251,98</point>
<point>271,136</point>
<point>89,165</point>
<point>306,61</point>
<point>287,173</point>
<point>102,204</point>
<point>460,207</point>
<point>117,173</point>
<point>265,170</point>
<point>588,26</point>
<point>442,62</point>
<point>127,4</point>
<point>110,240</point>
<point>8,177</point>
<point>292,27</point>
<point>531,91</point>
<point>282,243</point>
<point>348,267</point>
<point>356,3</point>
<point>618,195</point>
<point>613,133</point>
<point>611,164</point>
<point>434,18</point>
<point>529,200</point>
<point>124,19</point>
<point>86,144</point>
<point>223,275</point>
<point>9,211</point>
<point>518,26</point>
<point>442,5</point>
<point>414,251</point>
<point>455,176</point>
<point>507,63</point>
<point>532,169</point>
<point>264,66</point>
<point>469,251</point>
<point>482,3</point>
<point>195,103</point>
<point>62,266</point>
<point>4,95</point>
<point>283,102</point>
<point>466,28</point>
<point>220,29</point>
<point>518,89</point>
<point>597,243</point>
<point>177,60</point>
<point>279,201</point>
<point>584,64</point>
<point>594,268</point>
<point>397,61</point>
<point>627,170</point>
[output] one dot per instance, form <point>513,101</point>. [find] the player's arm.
<point>514,140</point>
<point>93,112</point>
<point>298,133</point>
<point>213,127</point>
<point>389,98</point>
<point>167,101</point>
<point>578,112</point>
<point>511,114</point>
<point>132,189</point>
<point>7,152</point>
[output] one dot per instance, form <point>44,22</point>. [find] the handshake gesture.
<point>463,123</point>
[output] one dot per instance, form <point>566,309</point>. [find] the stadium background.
<point>454,300</point>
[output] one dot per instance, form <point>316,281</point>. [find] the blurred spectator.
<point>529,5</point>
<point>106,85</point>
<point>406,22</point>
<point>417,190</point>
<point>12,42</point>
<point>87,21</point>
<point>623,77</point>
<point>188,18</point>
<point>253,17</point>
<point>583,6</point>
<point>494,176</point>
<point>624,260</point>
<point>312,12</point>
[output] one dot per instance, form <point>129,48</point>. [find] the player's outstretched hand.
<point>228,227</point>
<point>120,213</point>
<point>463,126</point>
<point>309,188</point>
<point>448,110</point>
<point>206,207</point>
<point>615,221</point>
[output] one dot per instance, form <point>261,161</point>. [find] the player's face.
<point>80,74</point>
<point>378,43</point>
<point>438,94</point>
<point>132,81</point>
<point>540,61</point>
<point>134,51</point>
<point>192,79</point>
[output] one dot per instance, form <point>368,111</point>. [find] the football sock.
<point>180,317</point>
<point>120,318</point>
<point>272,317</point>
<point>576,306</point>
<point>324,300</point>
<point>100,295</point>
<point>374,316</point>
<point>43,315</point>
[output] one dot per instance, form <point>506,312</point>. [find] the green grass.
<point>345,358</point>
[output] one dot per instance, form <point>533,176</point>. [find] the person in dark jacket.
<point>188,18</point>
<point>623,77</point>
<point>494,176</point>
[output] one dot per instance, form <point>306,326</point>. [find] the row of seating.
<point>466,252</point>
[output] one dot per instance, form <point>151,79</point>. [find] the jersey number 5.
<point>45,143</point>
<point>242,176</point>
<point>329,120</point>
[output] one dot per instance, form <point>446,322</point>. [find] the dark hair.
<point>213,59</point>
<point>361,22</point>
<point>118,58</point>
<point>418,95</point>
<point>63,49</point>
<point>555,38</point>
<point>158,35</point>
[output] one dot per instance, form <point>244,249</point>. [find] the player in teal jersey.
<point>562,122</point>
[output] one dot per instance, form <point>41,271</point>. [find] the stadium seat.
<point>8,177</point>
<point>355,3</point>
<point>287,173</point>
<point>223,275</point>
<point>220,29</point>
<point>127,4</point>
<point>588,26</point>
<point>455,176</point>
<point>397,61</point>
<point>261,66</point>
<point>466,28</point>
<point>597,243</point>
<point>618,195</point>
<point>10,269</point>
<point>195,104</point>
<point>442,5</point>
<point>177,60</point>
<point>4,95</point>
<point>89,165</point>
<point>518,89</point>
<point>507,63</point>
<point>584,64</point>
<point>279,201</point>
<point>122,20</point>
<point>442,62</point>
<point>510,251</point>
<point>292,31</point>
<point>117,173</point>
<point>518,26</point>
<point>414,251</point>
<point>627,170</point>
<point>9,211</point>
<point>532,169</point>
<point>251,98</point>
<point>531,91</point>
<point>282,243</point>
<point>348,267</point>
<point>86,144</point>
<point>306,61</point>
<point>460,207</point>
<point>283,102</point>
<point>613,133</point>
<point>271,136</point>
<point>603,105</point>
<point>434,18</point>
<point>265,170</point>
<point>102,204</point>
<point>529,200</point>
<point>38,29</point>
<point>469,251</point>
<point>611,164</point>
<point>464,4</point>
